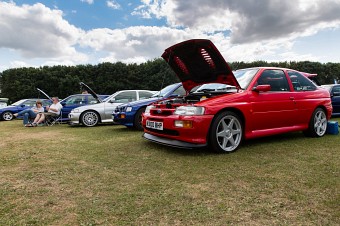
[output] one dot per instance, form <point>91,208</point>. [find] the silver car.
<point>91,115</point>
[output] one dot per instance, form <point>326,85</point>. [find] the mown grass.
<point>110,175</point>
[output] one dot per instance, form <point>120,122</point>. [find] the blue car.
<point>75,101</point>
<point>334,90</point>
<point>6,113</point>
<point>130,114</point>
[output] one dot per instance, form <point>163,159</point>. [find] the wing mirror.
<point>262,88</point>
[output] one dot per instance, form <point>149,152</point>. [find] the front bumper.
<point>74,118</point>
<point>124,118</point>
<point>171,142</point>
<point>196,135</point>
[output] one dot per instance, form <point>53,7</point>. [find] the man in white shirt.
<point>53,110</point>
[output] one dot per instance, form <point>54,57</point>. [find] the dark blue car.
<point>130,114</point>
<point>334,90</point>
<point>6,113</point>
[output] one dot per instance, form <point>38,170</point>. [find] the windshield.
<point>165,91</point>
<point>19,102</point>
<point>245,76</point>
<point>211,87</point>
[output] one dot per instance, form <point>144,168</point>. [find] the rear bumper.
<point>171,142</point>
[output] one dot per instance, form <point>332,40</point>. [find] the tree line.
<point>107,78</point>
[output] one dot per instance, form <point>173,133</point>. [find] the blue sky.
<point>70,32</point>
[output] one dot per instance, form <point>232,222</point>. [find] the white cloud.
<point>87,1</point>
<point>248,21</point>
<point>112,4</point>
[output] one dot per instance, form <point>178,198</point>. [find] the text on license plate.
<point>154,125</point>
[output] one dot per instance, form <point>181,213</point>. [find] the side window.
<point>275,78</point>
<point>75,100</point>
<point>29,103</point>
<point>300,82</point>
<point>91,100</point>
<point>336,91</point>
<point>46,103</point>
<point>144,95</point>
<point>180,91</point>
<point>125,97</point>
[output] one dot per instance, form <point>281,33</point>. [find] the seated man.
<point>30,113</point>
<point>53,110</point>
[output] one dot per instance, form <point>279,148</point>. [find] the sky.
<point>36,33</point>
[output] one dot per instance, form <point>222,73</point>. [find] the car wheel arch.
<point>236,111</point>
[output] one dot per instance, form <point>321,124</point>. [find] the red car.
<point>256,102</point>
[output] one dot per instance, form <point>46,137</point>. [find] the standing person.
<point>30,113</point>
<point>53,110</point>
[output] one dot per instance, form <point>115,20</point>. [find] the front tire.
<point>89,118</point>
<point>226,132</point>
<point>318,124</point>
<point>7,116</point>
<point>137,124</point>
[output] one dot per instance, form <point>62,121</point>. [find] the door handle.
<point>291,98</point>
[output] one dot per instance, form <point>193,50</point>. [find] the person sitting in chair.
<point>53,110</point>
<point>30,113</point>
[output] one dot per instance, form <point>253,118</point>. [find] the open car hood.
<point>45,94</point>
<point>83,86</point>
<point>198,61</point>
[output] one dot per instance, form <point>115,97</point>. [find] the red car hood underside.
<point>198,62</point>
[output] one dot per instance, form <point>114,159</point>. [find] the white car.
<point>91,115</point>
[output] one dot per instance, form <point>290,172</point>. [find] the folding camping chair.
<point>51,120</point>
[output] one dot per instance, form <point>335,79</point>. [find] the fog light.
<point>122,116</point>
<point>183,123</point>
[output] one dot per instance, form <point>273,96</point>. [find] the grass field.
<point>110,175</point>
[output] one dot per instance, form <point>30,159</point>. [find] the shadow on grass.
<point>245,146</point>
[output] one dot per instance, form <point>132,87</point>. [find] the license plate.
<point>154,125</point>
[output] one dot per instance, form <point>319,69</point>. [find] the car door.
<point>304,96</point>
<point>275,108</point>
<point>335,96</point>
<point>121,98</point>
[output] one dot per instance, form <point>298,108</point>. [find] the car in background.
<point>6,113</point>
<point>91,115</point>
<point>334,90</point>
<point>3,102</point>
<point>77,100</point>
<point>130,114</point>
<point>263,102</point>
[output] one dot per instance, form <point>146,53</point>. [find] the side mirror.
<point>22,105</point>
<point>113,100</point>
<point>262,88</point>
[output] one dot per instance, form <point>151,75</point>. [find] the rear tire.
<point>89,118</point>
<point>7,116</point>
<point>318,124</point>
<point>226,132</point>
<point>137,124</point>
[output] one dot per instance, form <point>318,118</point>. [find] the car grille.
<point>162,112</point>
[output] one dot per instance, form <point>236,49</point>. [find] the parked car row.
<point>213,105</point>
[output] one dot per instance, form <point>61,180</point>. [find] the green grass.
<point>110,175</point>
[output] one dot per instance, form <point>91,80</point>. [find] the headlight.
<point>75,110</point>
<point>128,109</point>
<point>189,110</point>
<point>148,108</point>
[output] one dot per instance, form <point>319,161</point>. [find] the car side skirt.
<point>171,142</point>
